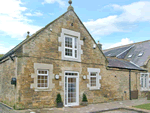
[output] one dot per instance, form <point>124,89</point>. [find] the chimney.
<point>28,34</point>
<point>99,45</point>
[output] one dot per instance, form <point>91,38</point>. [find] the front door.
<point>71,88</point>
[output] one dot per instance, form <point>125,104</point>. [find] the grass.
<point>143,106</point>
<point>1,55</point>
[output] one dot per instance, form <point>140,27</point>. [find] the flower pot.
<point>60,104</point>
<point>84,103</point>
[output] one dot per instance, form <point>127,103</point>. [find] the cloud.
<point>123,41</point>
<point>4,49</point>
<point>34,14</point>
<point>12,21</point>
<point>125,22</point>
<point>60,2</point>
<point>51,13</point>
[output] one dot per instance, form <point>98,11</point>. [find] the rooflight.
<point>130,56</point>
<point>140,54</point>
<point>108,54</point>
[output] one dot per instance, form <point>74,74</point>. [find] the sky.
<point>112,22</point>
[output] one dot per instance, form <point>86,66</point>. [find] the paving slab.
<point>92,107</point>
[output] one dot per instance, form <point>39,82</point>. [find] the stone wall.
<point>113,83</point>
<point>8,91</point>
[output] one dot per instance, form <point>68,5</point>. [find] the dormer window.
<point>129,56</point>
<point>140,54</point>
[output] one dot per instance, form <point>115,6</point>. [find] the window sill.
<point>144,89</point>
<point>94,88</point>
<point>71,59</point>
<point>42,89</point>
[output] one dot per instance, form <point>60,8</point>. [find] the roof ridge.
<point>126,45</point>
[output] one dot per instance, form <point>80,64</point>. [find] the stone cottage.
<point>64,58</point>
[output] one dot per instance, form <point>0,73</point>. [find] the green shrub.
<point>58,99</point>
<point>84,99</point>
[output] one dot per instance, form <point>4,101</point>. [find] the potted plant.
<point>84,100</point>
<point>59,101</point>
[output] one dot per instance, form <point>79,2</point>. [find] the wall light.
<point>56,77</point>
<point>84,77</point>
<point>94,46</point>
<point>84,38</point>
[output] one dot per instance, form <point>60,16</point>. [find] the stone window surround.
<point>144,88</point>
<point>42,66</point>
<point>62,40</point>
<point>98,77</point>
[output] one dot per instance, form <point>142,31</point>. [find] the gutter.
<point>126,68</point>
<point>6,55</point>
<point>130,84</point>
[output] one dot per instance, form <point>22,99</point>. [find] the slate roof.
<point>123,64</point>
<point>134,49</point>
<point>115,51</point>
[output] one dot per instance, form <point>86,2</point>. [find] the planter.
<point>148,96</point>
<point>84,103</point>
<point>60,104</point>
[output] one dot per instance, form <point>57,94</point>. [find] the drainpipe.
<point>130,84</point>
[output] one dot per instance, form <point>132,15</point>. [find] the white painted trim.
<point>44,75</point>
<point>134,64</point>
<point>145,88</point>
<point>73,47</point>
<point>98,78</point>
<point>62,50</point>
<point>125,50</point>
<point>77,88</point>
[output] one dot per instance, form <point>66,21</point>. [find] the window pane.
<point>68,42</point>
<point>75,43</point>
<point>141,82</point>
<point>38,81</point>
<point>93,74</point>
<point>75,53</point>
<point>45,85</point>
<point>42,79</point>
<point>93,81</point>
<point>68,52</point>
<point>145,82</point>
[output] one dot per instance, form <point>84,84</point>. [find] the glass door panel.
<point>71,95</point>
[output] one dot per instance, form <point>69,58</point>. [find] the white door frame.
<point>77,88</point>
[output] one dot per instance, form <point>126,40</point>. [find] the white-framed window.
<point>94,78</point>
<point>71,46</point>
<point>42,78</point>
<point>144,80</point>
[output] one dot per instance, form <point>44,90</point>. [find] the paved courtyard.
<point>86,109</point>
